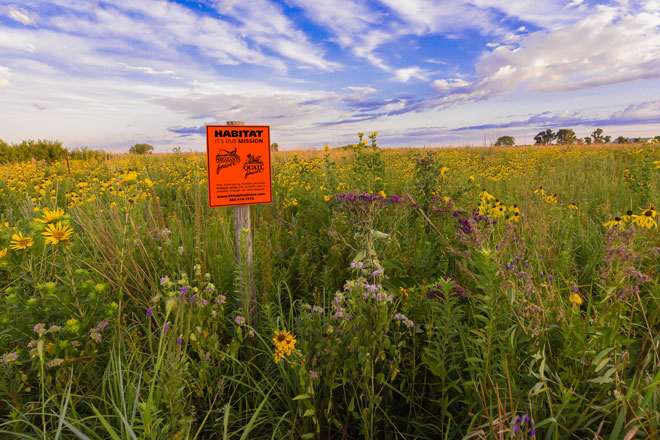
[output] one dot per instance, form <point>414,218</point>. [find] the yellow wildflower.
<point>49,216</point>
<point>616,222</point>
<point>575,298</point>
<point>56,233</point>
<point>3,252</point>
<point>18,241</point>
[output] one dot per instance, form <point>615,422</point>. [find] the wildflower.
<point>539,191</point>
<point>575,298</point>
<point>150,312</point>
<point>179,340</point>
<point>646,218</point>
<point>278,355</point>
<point>9,358</point>
<point>239,320</point>
<point>313,374</point>
<point>95,335</point>
<point>164,280</point>
<point>55,362</point>
<point>49,216</point>
<point>18,241</point>
<point>3,252</point>
<point>56,233</point>
<point>284,342</point>
<point>616,222</point>
<point>628,217</point>
<point>551,199</point>
<point>39,329</point>
<point>573,206</point>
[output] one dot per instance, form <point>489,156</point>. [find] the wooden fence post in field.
<point>242,221</point>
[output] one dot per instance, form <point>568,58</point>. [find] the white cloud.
<point>648,111</point>
<point>4,76</point>
<point>361,90</point>
<point>148,70</point>
<point>403,75</point>
<point>20,15</point>
<point>444,86</point>
<point>615,46</point>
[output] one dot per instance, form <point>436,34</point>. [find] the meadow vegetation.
<point>403,294</point>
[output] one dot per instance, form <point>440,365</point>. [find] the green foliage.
<point>566,136</point>
<point>40,150</point>
<point>505,141</point>
<point>413,317</point>
<point>141,149</point>
<point>545,137</point>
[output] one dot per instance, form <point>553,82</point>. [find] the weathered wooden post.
<point>239,175</point>
<point>242,221</point>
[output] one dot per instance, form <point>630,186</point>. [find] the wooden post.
<point>242,221</point>
<point>66,154</point>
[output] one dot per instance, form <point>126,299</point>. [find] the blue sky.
<point>108,74</point>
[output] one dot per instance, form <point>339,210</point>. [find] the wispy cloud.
<point>20,15</point>
<point>643,113</point>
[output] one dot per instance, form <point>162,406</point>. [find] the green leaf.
<point>309,412</point>
<point>302,396</point>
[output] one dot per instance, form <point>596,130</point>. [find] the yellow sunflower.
<point>57,233</point>
<point>284,341</point>
<point>51,216</point>
<point>616,222</point>
<point>3,252</point>
<point>18,241</point>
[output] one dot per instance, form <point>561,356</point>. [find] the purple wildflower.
<point>240,320</point>
<point>164,280</point>
<point>150,312</point>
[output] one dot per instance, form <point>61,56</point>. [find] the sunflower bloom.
<point>49,216</point>
<point>647,218</point>
<point>57,233</point>
<point>618,222</point>
<point>18,241</point>
<point>284,341</point>
<point>3,252</point>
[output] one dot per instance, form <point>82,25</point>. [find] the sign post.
<point>239,175</point>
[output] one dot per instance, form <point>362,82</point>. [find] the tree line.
<point>566,136</point>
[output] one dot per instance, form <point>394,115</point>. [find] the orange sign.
<point>238,159</point>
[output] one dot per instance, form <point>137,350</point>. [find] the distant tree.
<point>597,136</point>
<point>566,136</point>
<point>545,137</point>
<point>607,139</point>
<point>621,140</point>
<point>141,149</point>
<point>638,140</point>
<point>505,141</point>
<point>274,146</point>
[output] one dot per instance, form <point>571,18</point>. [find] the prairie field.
<point>477,293</point>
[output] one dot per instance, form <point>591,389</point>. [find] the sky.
<point>109,74</point>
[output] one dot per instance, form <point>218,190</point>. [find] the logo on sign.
<point>253,165</point>
<point>226,159</point>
